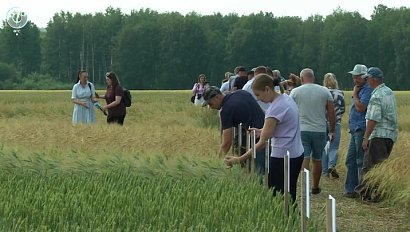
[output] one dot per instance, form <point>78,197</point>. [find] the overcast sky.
<point>41,11</point>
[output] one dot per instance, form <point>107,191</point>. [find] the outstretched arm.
<point>226,142</point>
<point>267,131</point>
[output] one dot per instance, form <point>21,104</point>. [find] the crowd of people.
<point>303,119</point>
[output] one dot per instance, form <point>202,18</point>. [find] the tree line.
<point>151,50</point>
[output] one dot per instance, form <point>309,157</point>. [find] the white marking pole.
<point>331,214</point>
<point>239,139</point>
<point>253,142</point>
<point>248,147</point>
<point>286,187</point>
<point>307,187</point>
<point>267,155</point>
<point>305,200</point>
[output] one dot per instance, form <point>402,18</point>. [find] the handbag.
<point>193,96</point>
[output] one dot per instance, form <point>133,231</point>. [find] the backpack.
<point>126,98</point>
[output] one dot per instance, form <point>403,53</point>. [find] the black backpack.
<point>126,98</point>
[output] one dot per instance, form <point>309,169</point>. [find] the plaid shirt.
<point>382,108</point>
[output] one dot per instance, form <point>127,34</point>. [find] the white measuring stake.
<point>307,192</point>
<point>253,143</point>
<point>331,214</point>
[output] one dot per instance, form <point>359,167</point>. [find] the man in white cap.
<point>357,127</point>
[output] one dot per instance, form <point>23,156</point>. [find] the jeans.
<point>354,161</point>
<point>330,160</point>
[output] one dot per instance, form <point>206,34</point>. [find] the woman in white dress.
<point>83,95</point>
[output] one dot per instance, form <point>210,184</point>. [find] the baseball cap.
<point>359,69</point>
<point>210,93</point>
<point>374,72</point>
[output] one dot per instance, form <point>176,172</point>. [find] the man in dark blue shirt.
<point>235,108</point>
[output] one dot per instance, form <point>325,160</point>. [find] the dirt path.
<point>354,215</point>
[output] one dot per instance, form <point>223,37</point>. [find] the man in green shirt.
<point>382,129</point>
<point>381,124</point>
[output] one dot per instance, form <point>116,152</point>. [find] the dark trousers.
<point>379,150</point>
<point>116,119</point>
<point>276,175</point>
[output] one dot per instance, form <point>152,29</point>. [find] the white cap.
<point>359,69</point>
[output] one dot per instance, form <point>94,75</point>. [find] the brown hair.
<point>269,71</point>
<point>262,80</point>
<point>79,74</point>
<point>114,79</point>
<point>201,75</point>
<point>259,70</point>
<point>294,80</point>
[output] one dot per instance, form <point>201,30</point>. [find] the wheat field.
<point>168,148</point>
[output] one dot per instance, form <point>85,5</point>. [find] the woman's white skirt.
<point>199,102</point>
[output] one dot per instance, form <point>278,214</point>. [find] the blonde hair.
<point>330,81</point>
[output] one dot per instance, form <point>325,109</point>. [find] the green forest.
<point>151,50</point>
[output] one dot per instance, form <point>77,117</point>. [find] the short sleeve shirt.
<point>338,103</point>
<point>83,93</point>
<point>286,136</point>
<point>382,109</point>
<point>240,107</point>
<point>357,120</point>
<point>311,100</point>
<point>120,109</point>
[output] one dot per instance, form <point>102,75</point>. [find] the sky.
<point>41,11</point>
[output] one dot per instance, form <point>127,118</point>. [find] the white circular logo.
<point>16,18</point>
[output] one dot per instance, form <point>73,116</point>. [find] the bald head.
<point>307,76</point>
